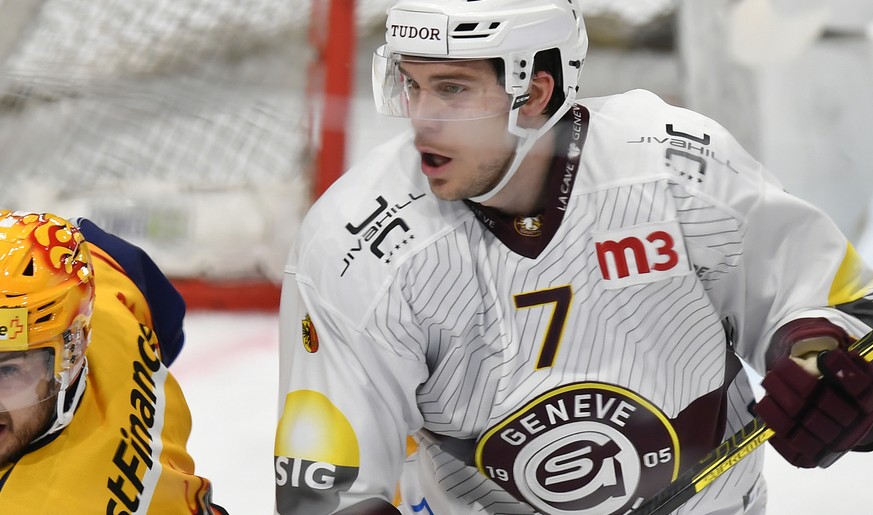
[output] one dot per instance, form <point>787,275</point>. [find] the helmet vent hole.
<point>44,318</point>
<point>28,270</point>
<point>466,27</point>
<point>472,30</point>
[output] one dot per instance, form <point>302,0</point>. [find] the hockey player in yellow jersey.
<point>91,421</point>
<point>553,293</point>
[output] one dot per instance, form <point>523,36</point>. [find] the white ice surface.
<point>229,373</point>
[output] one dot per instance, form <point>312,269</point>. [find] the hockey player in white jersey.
<point>551,293</point>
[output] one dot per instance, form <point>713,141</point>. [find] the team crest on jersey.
<point>529,226</point>
<point>310,337</point>
<point>641,254</point>
<point>582,449</point>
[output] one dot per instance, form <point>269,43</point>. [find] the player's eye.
<point>10,371</point>
<point>409,82</point>
<point>450,89</point>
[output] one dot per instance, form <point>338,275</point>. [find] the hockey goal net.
<point>181,125</point>
<point>189,127</point>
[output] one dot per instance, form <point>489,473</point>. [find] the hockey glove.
<point>817,420</point>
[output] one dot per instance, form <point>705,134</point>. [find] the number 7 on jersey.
<point>561,297</point>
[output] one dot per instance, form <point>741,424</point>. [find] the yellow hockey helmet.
<point>46,290</point>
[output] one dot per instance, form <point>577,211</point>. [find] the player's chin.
<point>444,189</point>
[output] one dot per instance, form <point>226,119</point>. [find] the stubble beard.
<point>485,178</point>
<point>18,435</point>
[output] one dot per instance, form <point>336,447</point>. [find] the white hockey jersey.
<point>571,362</point>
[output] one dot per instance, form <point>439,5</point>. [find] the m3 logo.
<point>641,254</point>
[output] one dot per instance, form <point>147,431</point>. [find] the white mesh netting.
<point>178,124</point>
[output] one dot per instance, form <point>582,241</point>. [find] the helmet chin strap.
<point>526,140</point>
<point>64,413</point>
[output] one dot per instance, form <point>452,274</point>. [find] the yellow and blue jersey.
<point>125,450</point>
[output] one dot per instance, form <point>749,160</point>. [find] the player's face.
<point>459,113</point>
<point>20,427</point>
<point>27,400</point>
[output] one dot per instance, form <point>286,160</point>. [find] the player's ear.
<point>542,84</point>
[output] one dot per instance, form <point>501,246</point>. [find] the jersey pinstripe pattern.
<point>477,371</point>
<point>469,276</point>
<point>607,342</point>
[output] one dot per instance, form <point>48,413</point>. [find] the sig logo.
<point>317,454</point>
<point>641,254</point>
<point>13,334</point>
<point>582,449</point>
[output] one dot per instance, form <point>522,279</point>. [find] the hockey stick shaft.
<point>725,456</point>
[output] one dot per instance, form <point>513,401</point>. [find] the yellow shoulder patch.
<point>312,428</point>
<point>853,280</point>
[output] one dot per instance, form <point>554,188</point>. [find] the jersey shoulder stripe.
<point>164,303</point>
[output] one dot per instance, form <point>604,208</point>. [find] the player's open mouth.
<point>431,159</point>
<point>431,163</point>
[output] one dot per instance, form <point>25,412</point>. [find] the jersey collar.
<point>530,235</point>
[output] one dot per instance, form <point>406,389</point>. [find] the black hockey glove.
<point>817,420</point>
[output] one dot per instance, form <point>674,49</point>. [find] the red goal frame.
<point>332,34</point>
<point>330,79</point>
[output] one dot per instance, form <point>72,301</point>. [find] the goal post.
<point>196,129</point>
<point>333,34</point>
<point>200,130</point>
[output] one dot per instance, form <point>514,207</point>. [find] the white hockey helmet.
<point>511,30</point>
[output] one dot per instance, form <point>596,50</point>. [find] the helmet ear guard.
<point>514,31</point>
<point>47,296</point>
